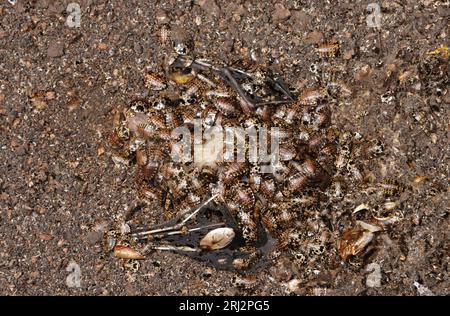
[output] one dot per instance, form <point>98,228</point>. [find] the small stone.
<point>300,20</point>
<point>73,104</point>
<point>137,48</point>
<point>314,37</point>
<point>100,151</point>
<point>94,236</point>
<point>161,16</point>
<point>45,237</point>
<point>34,274</point>
<point>348,54</point>
<point>280,13</point>
<point>363,73</point>
<point>50,95</point>
<point>209,6</point>
<point>55,50</point>
<point>40,210</point>
<point>102,46</point>
<point>39,103</point>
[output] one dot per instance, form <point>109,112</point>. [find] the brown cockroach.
<point>390,187</point>
<point>268,188</point>
<point>285,216</point>
<point>323,118</point>
<point>141,157</point>
<point>232,171</point>
<point>137,122</point>
<point>244,196</point>
<point>226,106</point>
<point>154,82</point>
<point>172,120</point>
<point>341,88</point>
<point>328,49</point>
<point>164,34</point>
<point>169,170</point>
<point>287,152</point>
<point>313,96</point>
<point>295,183</point>
<point>269,221</point>
<point>316,143</point>
<point>149,170</point>
<point>307,168</point>
<point>285,114</point>
<point>146,131</point>
<point>355,240</point>
<point>264,112</point>
<point>156,118</point>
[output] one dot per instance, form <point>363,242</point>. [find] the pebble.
<point>363,73</point>
<point>100,151</point>
<point>161,16</point>
<point>73,104</point>
<point>55,50</point>
<point>93,237</point>
<point>280,13</point>
<point>300,20</point>
<point>39,103</point>
<point>137,48</point>
<point>348,54</point>
<point>209,6</point>
<point>45,237</point>
<point>102,46</point>
<point>314,37</point>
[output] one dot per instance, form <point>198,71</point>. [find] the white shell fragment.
<point>369,227</point>
<point>361,207</point>
<point>217,238</point>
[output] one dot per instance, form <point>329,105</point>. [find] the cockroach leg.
<point>280,86</point>
<point>176,227</point>
<point>237,87</point>
<point>172,248</point>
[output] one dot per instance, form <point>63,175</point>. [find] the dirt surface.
<point>58,184</point>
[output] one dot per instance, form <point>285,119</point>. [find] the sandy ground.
<point>59,86</point>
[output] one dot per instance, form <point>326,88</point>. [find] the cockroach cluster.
<point>227,211</point>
